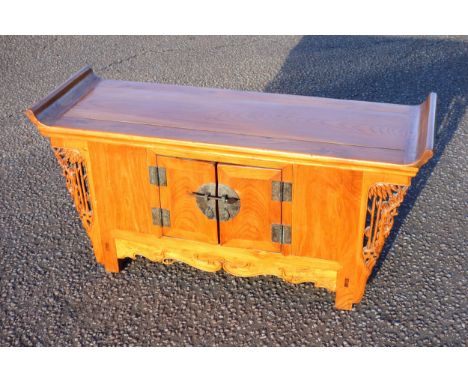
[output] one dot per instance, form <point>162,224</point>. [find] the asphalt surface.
<point>53,293</point>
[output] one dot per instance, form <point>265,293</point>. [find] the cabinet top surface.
<point>356,130</point>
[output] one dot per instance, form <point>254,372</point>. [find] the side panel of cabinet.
<point>326,212</point>
<point>124,196</point>
<point>251,227</point>
<point>185,176</point>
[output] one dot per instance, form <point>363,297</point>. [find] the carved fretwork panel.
<point>383,203</point>
<point>74,170</point>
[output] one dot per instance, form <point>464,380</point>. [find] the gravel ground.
<point>52,293</point>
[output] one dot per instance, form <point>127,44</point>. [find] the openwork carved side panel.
<point>74,170</point>
<point>384,200</point>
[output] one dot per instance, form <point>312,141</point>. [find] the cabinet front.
<point>232,205</point>
<point>252,227</point>
<point>181,217</point>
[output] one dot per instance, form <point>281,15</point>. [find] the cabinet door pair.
<point>221,203</point>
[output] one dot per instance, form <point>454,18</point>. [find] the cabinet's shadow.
<point>378,69</point>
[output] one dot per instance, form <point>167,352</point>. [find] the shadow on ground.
<point>351,68</point>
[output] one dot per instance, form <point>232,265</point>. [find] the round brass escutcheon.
<point>205,203</point>
<point>229,205</point>
<point>224,205</point>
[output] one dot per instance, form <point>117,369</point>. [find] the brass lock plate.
<point>229,204</point>
<point>224,204</point>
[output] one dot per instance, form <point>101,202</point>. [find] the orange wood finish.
<point>185,176</point>
<point>252,227</point>
<point>349,164</point>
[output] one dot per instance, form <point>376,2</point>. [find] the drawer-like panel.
<point>252,226</point>
<point>183,177</point>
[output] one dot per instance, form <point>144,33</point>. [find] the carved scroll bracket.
<point>384,200</point>
<point>74,170</point>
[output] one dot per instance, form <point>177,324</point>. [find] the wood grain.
<point>251,228</point>
<point>184,177</point>
<point>236,261</point>
<point>318,126</point>
<point>310,150</point>
<point>324,232</point>
<point>217,110</point>
<point>425,141</point>
<point>122,193</point>
<point>72,85</point>
<point>287,175</point>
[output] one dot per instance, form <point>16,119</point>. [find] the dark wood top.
<point>357,130</point>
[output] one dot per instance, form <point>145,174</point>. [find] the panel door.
<point>252,226</point>
<point>183,177</point>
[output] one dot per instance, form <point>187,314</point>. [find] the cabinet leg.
<point>343,300</point>
<point>105,253</point>
<point>349,290</point>
<point>110,260</point>
<point>98,252</point>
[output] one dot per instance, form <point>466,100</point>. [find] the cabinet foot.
<point>112,267</point>
<point>110,260</point>
<point>350,290</point>
<point>344,298</point>
<point>343,304</point>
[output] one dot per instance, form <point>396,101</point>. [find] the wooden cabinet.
<point>302,188</point>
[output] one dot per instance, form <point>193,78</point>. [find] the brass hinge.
<point>157,176</point>
<point>281,233</point>
<point>281,191</point>
<point>161,217</point>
